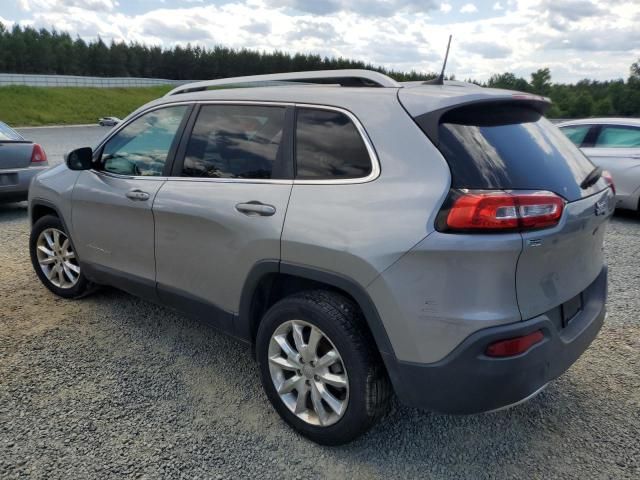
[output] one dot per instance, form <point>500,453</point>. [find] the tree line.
<point>40,51</point>
<point>27,50</point>
<point>586,98</point>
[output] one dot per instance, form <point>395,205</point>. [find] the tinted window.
<point>576,133</point>
<point>328,146</point>
<point>618,137</point>
<point>7,133</point>
<point>235,141</point>
<point>142,147</point>
<point>493,147</point>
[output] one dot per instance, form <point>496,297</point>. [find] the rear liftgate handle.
<point>137,194</point>
<point>254,208</point>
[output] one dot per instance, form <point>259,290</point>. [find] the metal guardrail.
<point>80,81</point>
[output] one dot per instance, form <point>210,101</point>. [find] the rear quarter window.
<point>510,147</point>
<point>328,146</point>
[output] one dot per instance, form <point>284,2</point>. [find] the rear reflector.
<point>502,211</point>
<point>38,155</point>
<point>606,174</point>
<point>514,346</point>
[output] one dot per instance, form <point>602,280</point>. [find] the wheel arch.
<point>39,207</point>
<point>271,280</point>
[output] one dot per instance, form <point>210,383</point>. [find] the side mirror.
<point>80,159</point>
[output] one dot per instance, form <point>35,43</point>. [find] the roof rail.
<point>345,78</point>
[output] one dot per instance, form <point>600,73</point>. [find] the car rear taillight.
<point>606,174</point>
<point>514,346</point>
<point>37,154</point>
<point>498,211</point>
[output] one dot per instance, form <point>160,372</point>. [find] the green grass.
<point>22,106</point>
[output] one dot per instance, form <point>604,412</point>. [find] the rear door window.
<point>511,147</point>
<point>329,146</point>
<point>576,133</point>
<point>236,141</point>
<point>614,136</point>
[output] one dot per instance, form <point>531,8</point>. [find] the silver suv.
<point>439,242</point>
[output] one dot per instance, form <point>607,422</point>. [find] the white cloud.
<point>363,7</point>
<point>59,5</point>
<point>469,8</point>
<point>445,7</point>
<point>7,23</point>
<point>487,49</point>
<point>498,6</point>
<point>525,36</point>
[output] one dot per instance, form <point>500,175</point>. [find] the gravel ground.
<point>112,386</point>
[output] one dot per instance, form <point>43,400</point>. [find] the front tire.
<point>54,259</point>
<point>319,367</point>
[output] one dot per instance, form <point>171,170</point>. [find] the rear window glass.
<point>7,133</point>
<point>504,147</point>
<point>329,146</point>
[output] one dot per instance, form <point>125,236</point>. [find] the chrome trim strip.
<point>373,157</point>
<point>229,180</point>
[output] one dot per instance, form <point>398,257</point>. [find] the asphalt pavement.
<point>57,141</point>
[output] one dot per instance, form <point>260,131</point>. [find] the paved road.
<point>59,140</point>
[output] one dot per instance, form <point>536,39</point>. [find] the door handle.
<point>136,194</point>
<point>256,208</point>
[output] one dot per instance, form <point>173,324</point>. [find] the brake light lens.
<point>37,154</point>
<point>514,346</point>
<point>480,210</point>
<point>606,174</point>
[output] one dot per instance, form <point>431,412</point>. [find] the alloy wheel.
<point>308,373</point>
<point>57,259</point>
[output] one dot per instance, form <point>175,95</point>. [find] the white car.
<point>109,121</point>
<point>614,145</point>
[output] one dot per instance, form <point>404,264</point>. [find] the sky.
<point>576,39</point>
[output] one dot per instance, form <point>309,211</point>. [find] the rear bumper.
<point>14,183</point>
<point>468,381</point>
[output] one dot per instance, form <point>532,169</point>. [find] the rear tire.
<point>354,380</point>
<point>54,259</point>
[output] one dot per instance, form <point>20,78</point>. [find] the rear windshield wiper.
<point>592,178</point>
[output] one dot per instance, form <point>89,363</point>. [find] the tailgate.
<point>15,154</point>
<point>558,263</point>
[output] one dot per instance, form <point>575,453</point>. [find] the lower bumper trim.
<point>468,381</point>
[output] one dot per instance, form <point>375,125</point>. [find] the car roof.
<point>634,122</point>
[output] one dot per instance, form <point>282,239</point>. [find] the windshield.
<point>508,147</point>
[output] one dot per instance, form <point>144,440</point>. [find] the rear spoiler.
<point>429,122</point>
